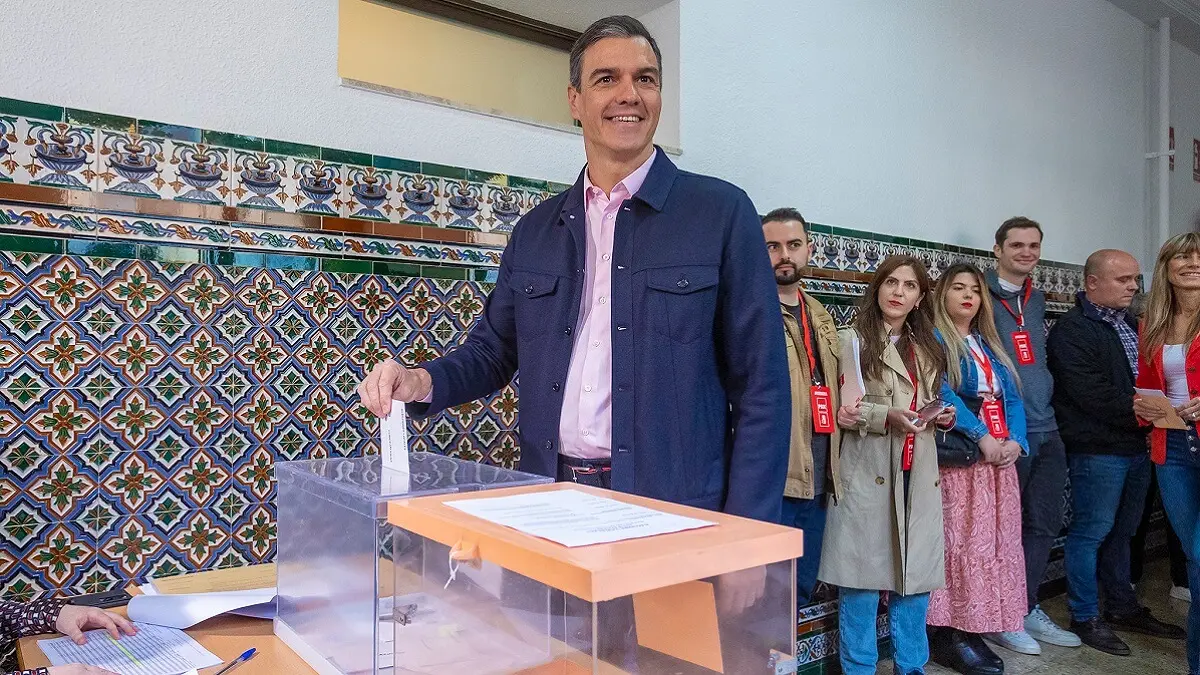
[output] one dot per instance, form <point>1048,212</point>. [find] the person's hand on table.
<point>73,620</point>
<point>78,669</point>
<point>738,591</point>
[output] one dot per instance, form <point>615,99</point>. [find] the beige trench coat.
<point>875,538</point>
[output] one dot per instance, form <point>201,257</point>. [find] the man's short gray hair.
<point>608,27</point>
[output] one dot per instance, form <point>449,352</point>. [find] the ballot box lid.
<point>602,572</point>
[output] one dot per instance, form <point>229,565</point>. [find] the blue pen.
<point>236,662</point>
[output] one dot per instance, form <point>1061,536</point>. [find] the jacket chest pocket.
<point>683,301</point>
<point>535,301</point>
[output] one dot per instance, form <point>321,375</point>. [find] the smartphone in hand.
<point>931,410</point>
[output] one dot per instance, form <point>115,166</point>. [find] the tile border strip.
<point>231,236</point>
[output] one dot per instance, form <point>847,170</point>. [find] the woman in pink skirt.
<point>981,499</point>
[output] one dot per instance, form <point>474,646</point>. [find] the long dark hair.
<point>916,338</point>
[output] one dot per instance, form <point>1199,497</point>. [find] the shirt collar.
<point>1100,311</point>
<point>630,184</point>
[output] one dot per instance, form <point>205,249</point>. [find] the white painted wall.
<point>934,119</point>
<point>1185,115</point>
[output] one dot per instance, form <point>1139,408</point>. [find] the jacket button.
<point>549,445</point>
<point>682,283</point>
<point>567,331</point>
<point>554,387</point>
<point>529,288</point>
<point>807,471</point>
<point>879,480</point>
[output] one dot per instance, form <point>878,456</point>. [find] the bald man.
<point>1093,357</point>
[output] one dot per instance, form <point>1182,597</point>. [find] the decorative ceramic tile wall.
<point>60,147</point>
<point>143,405</point>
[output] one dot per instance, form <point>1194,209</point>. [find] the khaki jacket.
<point>800,462</point>
<point>876,537</point>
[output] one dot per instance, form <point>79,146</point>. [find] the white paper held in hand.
<point>393,441</point>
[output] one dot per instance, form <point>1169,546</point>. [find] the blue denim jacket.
<point>1014,405</point>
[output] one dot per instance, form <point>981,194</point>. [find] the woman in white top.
<point>1169,362</point>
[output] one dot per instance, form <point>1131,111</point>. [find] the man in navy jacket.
<point>654,274</point>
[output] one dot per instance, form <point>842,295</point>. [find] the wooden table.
<point>225,636</point>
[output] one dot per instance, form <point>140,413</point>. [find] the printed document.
<point>155,650</point>
<point>575,518</point>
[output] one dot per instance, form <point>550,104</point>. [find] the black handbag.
<point>954,448</point>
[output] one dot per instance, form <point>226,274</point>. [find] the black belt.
<point>584,467</point>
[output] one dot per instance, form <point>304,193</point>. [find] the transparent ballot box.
<point>473,597</point>
<point>335,546</point>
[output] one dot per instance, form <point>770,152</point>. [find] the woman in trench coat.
<point>884,532</point>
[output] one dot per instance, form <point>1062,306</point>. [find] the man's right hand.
<point>389,380</point>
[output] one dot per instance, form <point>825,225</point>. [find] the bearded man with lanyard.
<point>812,349</point>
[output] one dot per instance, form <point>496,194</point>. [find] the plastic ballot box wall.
<point>335,547</point>
<point>473,597</point>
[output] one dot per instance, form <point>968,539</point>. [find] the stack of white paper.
<point>575,518</point>
<point>155,650</point>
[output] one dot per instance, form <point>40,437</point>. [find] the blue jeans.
<point>807,515</point>
<point>1179,482</point>
<point>858,648</point>
<point>1108,494</point>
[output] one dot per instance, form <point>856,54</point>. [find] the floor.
<point>1150,656</point>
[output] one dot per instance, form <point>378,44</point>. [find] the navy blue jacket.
<point>701,406</point>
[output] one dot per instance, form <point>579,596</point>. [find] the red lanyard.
<point>985,365</point>
<point>808,345</point>
<point>910,440</point>
<point>1019,315</point>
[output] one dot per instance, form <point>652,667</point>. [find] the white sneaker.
<point>1043,629</point>
<point>1181,593</point>
<point>1016,641</point>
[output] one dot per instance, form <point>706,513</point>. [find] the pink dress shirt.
<point>585,425</point>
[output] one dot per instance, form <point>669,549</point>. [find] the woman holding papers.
<point>1169,362</point>
<point>884,532</point>
<point>981,496</point>
<point>18,620</point>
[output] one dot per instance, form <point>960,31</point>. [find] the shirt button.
<point>603,300</point>
<point>586,432</point>
<point>595,343</point>
<point>555,387</point>
<point>682,283</point>
<point>567,330</point>
<point>622,387</point>
<point>609,216</point>
<point>606,256</point>
<point>549,445</point>
<point>622,449</point>
<point>587,387</point>
<point>529,288</point>
<point>879,480</point>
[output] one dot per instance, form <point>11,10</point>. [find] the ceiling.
<point>575,14</point>
<point>1184,14</point>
